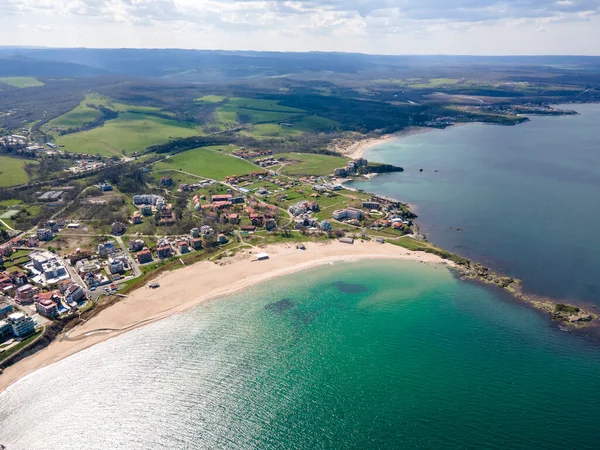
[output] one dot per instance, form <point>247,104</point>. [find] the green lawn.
<point>206,162</point>
<point>21,82</point>
<point>130,132</point>
<point>311,164</point>
<point>10,202</point>
<point>12,171</point>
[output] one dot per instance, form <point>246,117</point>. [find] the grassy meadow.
<point>21,82</point>
<point>299,164</point>
<point>207,162</point>
<point>12,171</point>
<point>131,132</point>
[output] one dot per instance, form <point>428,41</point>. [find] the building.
<point>164,251</point>
<point>222,239</point>
<point>221,198</point>
<point>118,228</point>
<point>6,331</point>
<point>262,256</point>
<point>136,219</point>
<point>53,271</point>
<point>184,246</point>
<point>166,181</point>
<point>144,256</point>
<point>6,249</point>
<point>148,199</point>
<point>348,213</point>
<point>146,210</point>
<point>45,234</point>
<point>117,264</point>
<point>197,243</point>
<point>74,293</point>
<point>195,232</point>
<point>135,245</point>
<point>46,304</point>
<point>371,205</point>
<point>340,172</point>
<point>346,240</point>
<point>51,196</point>
<point>106,248</point>
<point>105,187</point>
<point>325,225</point>
<point>5,307</point>
<point>21,324</point>
<point>52,225</point>
<point>85,266</point>
<point>233,218</point>
<point>40,258</point>
<point>24,295</point>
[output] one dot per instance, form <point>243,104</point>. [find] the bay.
<point>526,198</point>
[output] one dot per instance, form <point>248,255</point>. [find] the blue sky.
<point>489,27</point>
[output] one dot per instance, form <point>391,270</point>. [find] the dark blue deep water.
<point>526,198</point>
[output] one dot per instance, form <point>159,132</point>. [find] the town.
<point>99,238</point>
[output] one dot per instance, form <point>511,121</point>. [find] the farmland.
<point>206,162</point>
<point>21,82</point>
<point>129,132</point>
<point>311,164</point>
<point>81,114</point>
<point>12,171</point>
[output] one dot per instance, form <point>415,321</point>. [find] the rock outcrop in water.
<point>571,315</point>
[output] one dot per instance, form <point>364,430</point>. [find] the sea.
<point>371,354</point>
<point>523,199</point>
<point>362,355</point>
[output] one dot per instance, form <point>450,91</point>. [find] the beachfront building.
<point>74,293</point>
<point>371,205</point>
<point>164,251</point>
<point>22,325</point>
<point>5,307</point>
<point>5,330</point>
<point>144,256</point>
<point>47,303</point>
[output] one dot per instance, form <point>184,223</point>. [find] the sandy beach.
<point>186,287</point>
<point>355,148</point>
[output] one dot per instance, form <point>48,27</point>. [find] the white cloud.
<point>386,26</point>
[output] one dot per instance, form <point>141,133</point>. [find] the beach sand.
<point>186,287</point>
<point>355,148</point>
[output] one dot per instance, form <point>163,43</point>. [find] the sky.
<point>476,27</point>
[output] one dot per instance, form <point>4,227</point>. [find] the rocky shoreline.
<point>572,316</point>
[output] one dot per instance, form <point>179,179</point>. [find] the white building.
<point>21,324</point>
<point>45,234</point>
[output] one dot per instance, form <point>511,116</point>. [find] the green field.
<point>12,171</point>
<point>21,82</point>
<point>82,114</point>
<point>311,164</point>
<point>131,131</point>
<point>206,162</point>
<point>211,99</point>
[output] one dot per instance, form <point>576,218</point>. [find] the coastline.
<point>355,148</point>
<point>179,291</point>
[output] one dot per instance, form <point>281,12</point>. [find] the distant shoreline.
<point>179,291</point>
<point>355,148</point>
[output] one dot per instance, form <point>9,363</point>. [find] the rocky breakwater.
<point>570,315</point>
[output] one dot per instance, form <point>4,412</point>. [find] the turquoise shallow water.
<point>366,355</point>
<point>526,197</point>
